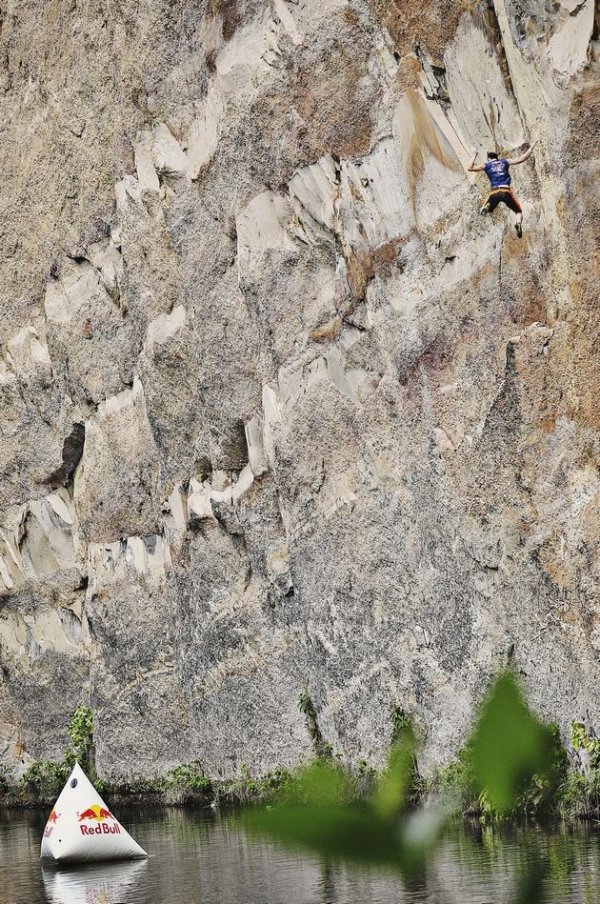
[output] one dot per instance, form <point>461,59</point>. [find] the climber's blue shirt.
<point>497,172</point>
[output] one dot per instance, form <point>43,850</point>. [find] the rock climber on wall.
<point>496,169</point>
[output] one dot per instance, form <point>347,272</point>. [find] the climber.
<point>496,169</point>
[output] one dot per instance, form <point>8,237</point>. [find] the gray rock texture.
<point>279,410</point>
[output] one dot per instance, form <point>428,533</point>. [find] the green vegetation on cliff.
<point>521,772</point>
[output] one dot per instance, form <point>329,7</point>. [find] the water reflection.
<point>201,858</point>
<point>106,883</point>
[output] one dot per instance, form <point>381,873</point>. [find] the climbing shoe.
<point>519,229</point>
<point>485,209</point>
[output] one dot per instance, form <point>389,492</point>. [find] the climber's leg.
<point>505,196</point>
<point>492,202</point>
<point>511,200</point>
<point>519,225</point>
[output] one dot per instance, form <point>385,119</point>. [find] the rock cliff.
<point>279,410</point>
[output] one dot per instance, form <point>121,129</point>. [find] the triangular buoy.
<point>81,827</point>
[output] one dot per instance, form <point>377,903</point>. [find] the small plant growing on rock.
<point>80,749</point>
<point>400,723</point>
<point>584,744</point>
<point>189,777</point>
<point>4,780</point>
<point>322,748</point>
<point>44,778</point>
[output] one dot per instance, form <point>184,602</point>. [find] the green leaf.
<point>509,746</point>
<point>391,793</point>
<point>318,785</point>
<point>346,832</point>
<point>350,833</point>
<point>318,810</point>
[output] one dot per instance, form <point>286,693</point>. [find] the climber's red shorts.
<point>505,196</point>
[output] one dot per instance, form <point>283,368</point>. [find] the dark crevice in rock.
<point>150,543</point>
<point>200,524</point>
<point>228,518</point>
<point>71,456</point>
<point>23,531</point>
<point>234,447</point>
<point>578,8</point>
<point>91,625</point>
<point>78,257</point>
<point>338,169</point>
<point>309,711</point>
<point>230,14</point>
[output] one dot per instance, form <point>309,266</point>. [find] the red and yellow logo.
<point>99,815</point>
<point>50,824</point>
<point>95,812</point>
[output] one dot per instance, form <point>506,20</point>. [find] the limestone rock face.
<point>279,410</point>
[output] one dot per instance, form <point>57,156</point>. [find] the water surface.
<point>200,857</point>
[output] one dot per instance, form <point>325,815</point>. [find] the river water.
<point>201,857</point>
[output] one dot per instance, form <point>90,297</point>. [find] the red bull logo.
<point>99,815</point>
<point>50,824</point>
<point>95,812</point>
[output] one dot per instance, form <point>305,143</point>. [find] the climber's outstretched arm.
<point>513,161</point>
<point>475,169</point>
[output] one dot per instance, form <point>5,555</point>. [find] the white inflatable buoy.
<point>81,828</point>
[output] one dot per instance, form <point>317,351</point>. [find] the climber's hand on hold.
<point>524,156</point>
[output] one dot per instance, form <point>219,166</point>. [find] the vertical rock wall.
<point>278,409</point>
